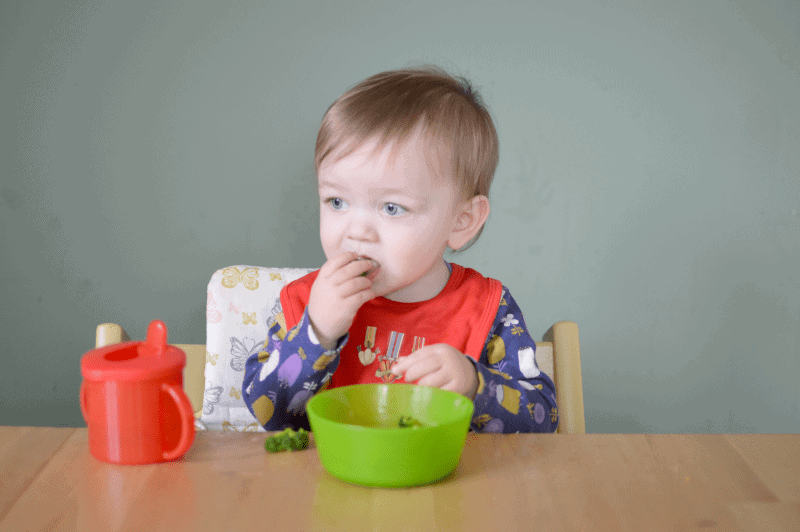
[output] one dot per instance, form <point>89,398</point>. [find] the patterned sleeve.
<point>292,367</point>
<point>513,395</point>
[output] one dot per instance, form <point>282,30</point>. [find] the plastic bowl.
<point>359,440</point>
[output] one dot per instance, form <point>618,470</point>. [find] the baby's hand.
<point>441,366</point>
<point>336,295</point>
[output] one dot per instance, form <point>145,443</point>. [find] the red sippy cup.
<point>133,401</point>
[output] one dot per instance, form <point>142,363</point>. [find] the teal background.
<point>648,186</point>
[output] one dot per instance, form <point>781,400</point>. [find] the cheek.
<point>400,239</point>
<point>327,231</point>
<point>410,245</point>
<point>426,236</point>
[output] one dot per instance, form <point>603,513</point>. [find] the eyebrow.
<point>327,184</point>
<point>384,190</point>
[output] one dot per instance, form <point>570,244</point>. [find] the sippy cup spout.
<point>156,340</point>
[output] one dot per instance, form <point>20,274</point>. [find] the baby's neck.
<point>428,287</point>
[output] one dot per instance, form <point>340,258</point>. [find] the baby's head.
<point>391,108</point>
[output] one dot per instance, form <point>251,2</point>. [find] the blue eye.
<point>392,209</point>
<point>336,203</point>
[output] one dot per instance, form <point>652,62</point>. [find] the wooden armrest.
<point>109,334</point>
<point>568,376</point>
<point>193,374</point>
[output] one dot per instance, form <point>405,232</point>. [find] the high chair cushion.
<point>243,302</point>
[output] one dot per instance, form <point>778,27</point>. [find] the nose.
<point>360,227</point>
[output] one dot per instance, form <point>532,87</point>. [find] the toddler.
<point>404,164</point>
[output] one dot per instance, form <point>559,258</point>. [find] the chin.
<point>383,290</point>
<point>394,294</point>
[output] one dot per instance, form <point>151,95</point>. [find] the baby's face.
<point>398,213</point>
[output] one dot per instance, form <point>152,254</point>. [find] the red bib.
<point>461,315</point>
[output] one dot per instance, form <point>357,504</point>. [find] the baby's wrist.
<point>328,343</point>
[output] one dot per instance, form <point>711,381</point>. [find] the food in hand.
<point>372,269</point>
<point>288,440</point>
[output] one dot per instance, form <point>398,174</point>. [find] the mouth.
<point>372,272</point>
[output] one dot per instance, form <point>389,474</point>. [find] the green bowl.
<point>359,440</point>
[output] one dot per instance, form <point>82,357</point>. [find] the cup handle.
<point>187,421</point>
<point>84,410</point>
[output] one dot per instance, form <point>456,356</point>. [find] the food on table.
<point>287,440</point>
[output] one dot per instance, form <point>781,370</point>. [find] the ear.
<point>469,219</point>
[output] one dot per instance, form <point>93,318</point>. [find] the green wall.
<point>648,188</point>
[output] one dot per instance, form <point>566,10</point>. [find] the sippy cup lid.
<point>149,359</point>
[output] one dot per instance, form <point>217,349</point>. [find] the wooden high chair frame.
<point>563,351</point>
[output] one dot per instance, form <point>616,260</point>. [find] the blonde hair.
<point>391,105</point>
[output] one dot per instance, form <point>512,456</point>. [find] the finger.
<point>399,367</point>
<point>336,263</point>
<point>403,363</point>
<point>439,379</point>
<point>368,294</point>
<point>455,386</point>
<point>353,286</point>
<point>421,368</point>
<point>348,271</point>
<point>355,268</point>
<point>354,301</point>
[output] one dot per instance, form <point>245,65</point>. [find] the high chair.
<point>244,301</point>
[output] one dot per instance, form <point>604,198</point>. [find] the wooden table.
<point>228,482</point>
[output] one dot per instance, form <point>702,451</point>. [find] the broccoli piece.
<point>408,422</point>
<point>366,273</point>
<point>287,440</point>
